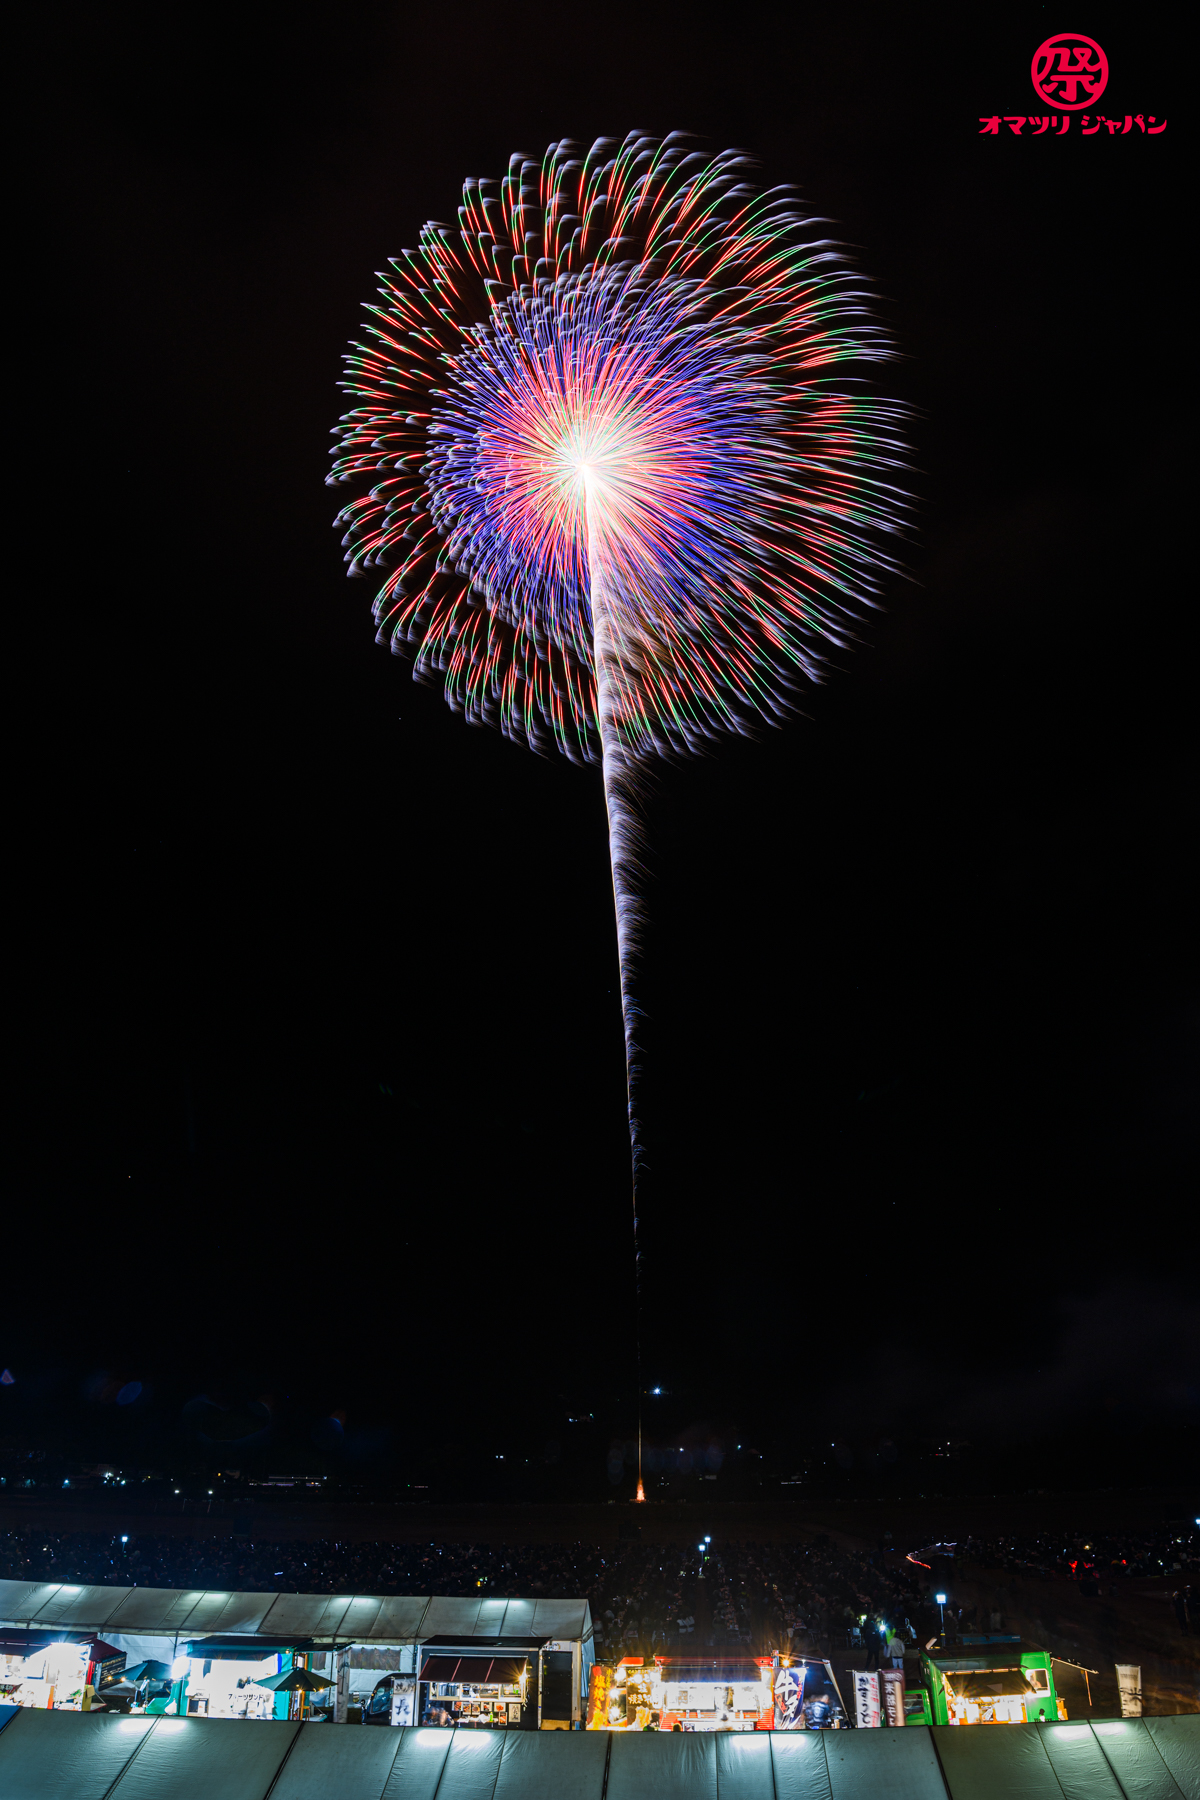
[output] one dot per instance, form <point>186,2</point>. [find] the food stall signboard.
<point>866,1697</point>
<point>891,1682</point>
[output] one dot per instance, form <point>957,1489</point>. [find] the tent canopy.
<point>88,1756</point>
<point>351,1618</point>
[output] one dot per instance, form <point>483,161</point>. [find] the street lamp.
<point>941,1600</point>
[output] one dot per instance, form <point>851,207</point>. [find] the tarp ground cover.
<point>96,1756</point>
<point>1080,1764</point>
<point>552,1765</point>
<point>201,1759</point>
<point>1178,1743</point>
<point>1011,1762</point>
<point>896,1762</point>
<point>1113,1759</point>
<point>353,1765</point>
<point>1135,1760</point>
<point>669,1765</point>
<point>65,1756</point>
<point>799,1766</point>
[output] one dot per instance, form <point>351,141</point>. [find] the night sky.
<point>315,1043</point>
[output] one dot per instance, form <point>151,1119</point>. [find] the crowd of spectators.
<point>1101,1559</point>
<point>317,1566</point>
<point>644,1597</point>
<point>762,1596</point>
<point>1099,1563</point>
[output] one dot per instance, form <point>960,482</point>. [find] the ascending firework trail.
<point>623,497</point>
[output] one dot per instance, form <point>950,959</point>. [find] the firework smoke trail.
<point>624,835</point>
<point>625,503</point>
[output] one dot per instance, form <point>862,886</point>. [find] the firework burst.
<point>625,486</point>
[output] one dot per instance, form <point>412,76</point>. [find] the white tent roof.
<point>355,1618</point>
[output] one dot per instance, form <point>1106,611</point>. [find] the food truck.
<point>727,1691</point>
<point>987,1681</point>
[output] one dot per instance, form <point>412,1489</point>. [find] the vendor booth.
<point>507,1663</point>
<point>56,1670</point>
<point>989,1681</point>
<point>726,1692</point>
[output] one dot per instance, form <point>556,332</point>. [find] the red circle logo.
<point>1069,71</point>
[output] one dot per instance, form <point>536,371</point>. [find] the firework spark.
<point>626,486</point>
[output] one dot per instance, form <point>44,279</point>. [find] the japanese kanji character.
<point>992,125</point>
<point>1076,70</point>
<point>1095,128</point>
<point>1063,126</point>
<point>1152,129</point>
<point>1039,125</point>
<point>1014,125</point>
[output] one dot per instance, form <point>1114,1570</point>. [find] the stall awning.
<point>240,1649</point>
<point>24,1643</point>
<point>477,1669</point>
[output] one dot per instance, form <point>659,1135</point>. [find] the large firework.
<point>626,486</point>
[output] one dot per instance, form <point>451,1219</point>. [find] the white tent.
<point>345,1618</point>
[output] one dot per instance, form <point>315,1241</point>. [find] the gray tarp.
<point>199,1759</point>
<point>353,1765</point>
<point>356,1618</point>
<point>1080,1764</point>
<point>80,1756</point>
<point>1015,1763</point>
<point>675,1766</point>
<point>904,1765</point>
<point>1178,1743</point>
<point>65,1756</point>
<point>994,1762</point>
<point>552,1765</point>
<point>1135,1760</point>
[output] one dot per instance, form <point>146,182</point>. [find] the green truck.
<point>984,1681</point>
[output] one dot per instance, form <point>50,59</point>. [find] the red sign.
<point>1069,71</point>
<point>892,1682</point>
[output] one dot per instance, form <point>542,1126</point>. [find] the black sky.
<point>317,1049</point>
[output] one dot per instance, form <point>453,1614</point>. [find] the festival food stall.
<point>219,1679</point>
<point>727,1692</point>
<point>476,1690</point>
<point>54,1670</point>
<point>990,1681</point>
<point>483,1662</point>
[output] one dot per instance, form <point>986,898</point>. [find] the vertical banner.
<point>341,1687</point>
<point>789,1699</point>
<point>1129,1686</point>
<point>866,1696</point>
<point>403,1701</point>
<point>892,1683</point>
<point>599,1681</point>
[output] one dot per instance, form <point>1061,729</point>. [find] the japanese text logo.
<point>1069,71</point>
